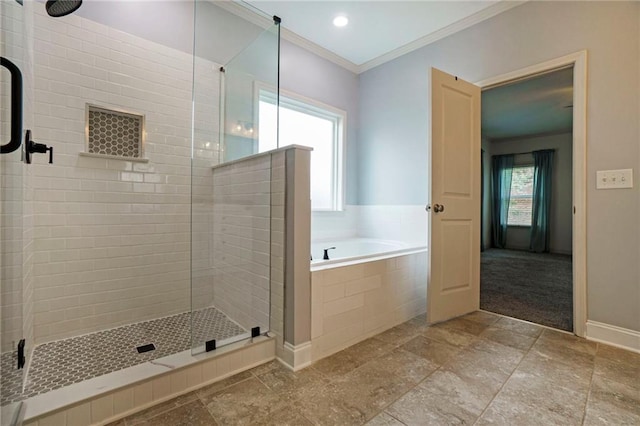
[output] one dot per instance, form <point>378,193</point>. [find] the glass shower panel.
<point>12,209</point>
<point>99,236</point>
<point>248,76</point>
<point>231,202</point>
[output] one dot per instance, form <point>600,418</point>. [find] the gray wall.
<point>394,115</point>
<point>221,35</point>
<point>166,22</point>
<point>561,198</point>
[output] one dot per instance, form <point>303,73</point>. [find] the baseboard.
<point>613,335</point>
<point>296,357</point>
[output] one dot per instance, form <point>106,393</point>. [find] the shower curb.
<point>111,400</point>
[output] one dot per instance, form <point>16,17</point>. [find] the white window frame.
<point>306,105</point>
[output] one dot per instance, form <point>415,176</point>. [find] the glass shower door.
<point>13,50</point>
<point>231,199</point>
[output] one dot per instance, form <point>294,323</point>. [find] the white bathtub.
<point>357,250</point>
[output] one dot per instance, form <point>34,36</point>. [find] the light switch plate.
<point>614,179</point>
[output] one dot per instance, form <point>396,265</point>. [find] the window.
<point>308,123</point>
<point>521,198</point>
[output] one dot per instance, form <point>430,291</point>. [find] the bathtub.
<point>366,287</point>
<point>356,250</point>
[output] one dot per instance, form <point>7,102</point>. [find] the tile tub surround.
<point>478,369</point>
<point>406,223</point>
<point>352,303</point>
<point>64,362</point>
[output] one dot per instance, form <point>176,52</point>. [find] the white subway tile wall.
<point>406,223</point>
<point>11,181</point>
<point>335,225</point>
<point>242,240</point>
<point>28,203</point>
<point>111,237</point>
<point>16,205</point>
<point>352,303</point>
<point>11,260</point>
<point>205,154</point>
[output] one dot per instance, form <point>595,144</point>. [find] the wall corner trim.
<point>623,338</point>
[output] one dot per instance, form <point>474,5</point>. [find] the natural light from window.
<point>521,198</point>
<point>305,124</point>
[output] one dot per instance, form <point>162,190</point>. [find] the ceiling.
<point>379,31</point>
<point>377,28</point>
<point>536,106</point>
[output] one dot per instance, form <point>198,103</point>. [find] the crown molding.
<point>264,22</point>
<point>244,11</point>
<point>319,50</point>
<point>460,25</point>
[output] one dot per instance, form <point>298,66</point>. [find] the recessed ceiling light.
<point>340,21</point>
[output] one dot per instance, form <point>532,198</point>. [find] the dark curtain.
<point>501,171</point>
<point>482,212</point>
<point>541,208</point>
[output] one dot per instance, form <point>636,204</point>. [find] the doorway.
<point>527,240</point>
<point>541,283</point>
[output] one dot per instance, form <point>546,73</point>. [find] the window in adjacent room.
<point>521,199</point>
<point>309,123</point>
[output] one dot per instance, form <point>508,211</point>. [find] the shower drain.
<point>146,348</point>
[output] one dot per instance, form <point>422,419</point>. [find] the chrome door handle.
<point>438,208</point>
<point>428,207</point>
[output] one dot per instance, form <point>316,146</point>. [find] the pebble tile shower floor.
<point>64,362</point>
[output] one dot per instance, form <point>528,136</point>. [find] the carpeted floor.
<point>529,286</point>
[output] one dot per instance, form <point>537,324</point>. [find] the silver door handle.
<point>428,207</point>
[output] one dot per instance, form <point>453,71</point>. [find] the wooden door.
<point>454,273</point>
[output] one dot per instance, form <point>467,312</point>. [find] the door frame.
<point>578,61</point>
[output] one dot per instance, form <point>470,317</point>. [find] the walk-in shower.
<point>129,247</point>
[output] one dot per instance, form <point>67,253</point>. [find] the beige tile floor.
<point>479,369</point>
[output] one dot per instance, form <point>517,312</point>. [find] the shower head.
<point>58,8</point>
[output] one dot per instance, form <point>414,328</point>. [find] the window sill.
<point>114,157</point>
